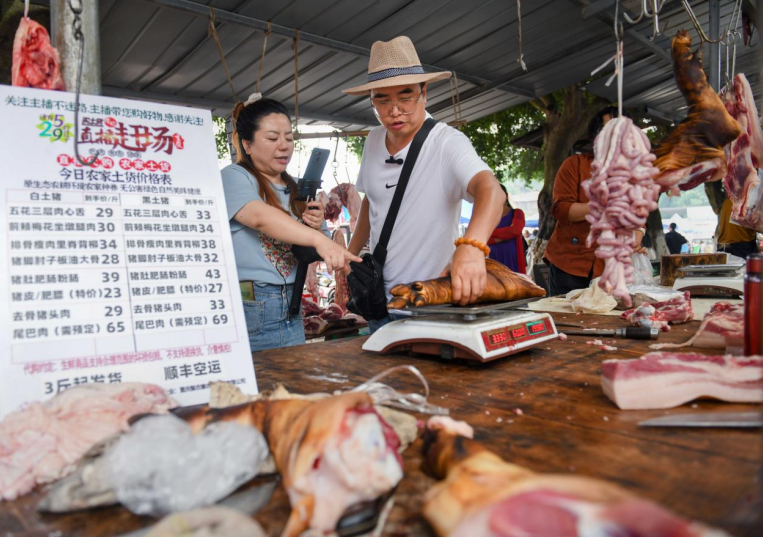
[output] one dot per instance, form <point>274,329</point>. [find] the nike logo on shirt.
<point>390,186</point>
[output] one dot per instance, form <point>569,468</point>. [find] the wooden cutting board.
<point>671,263</point>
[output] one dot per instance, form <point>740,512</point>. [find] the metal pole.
<point>715,48</point>
<point>61,21</point>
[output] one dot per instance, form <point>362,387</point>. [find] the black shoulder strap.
<point>380,252</point>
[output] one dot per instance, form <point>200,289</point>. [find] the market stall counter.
<point>543,409</point>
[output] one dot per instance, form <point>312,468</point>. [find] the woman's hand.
<point>335,256</point>
<point>638,236</point>
<point>313,215</point>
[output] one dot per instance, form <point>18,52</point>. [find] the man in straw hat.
<point>448,170</point>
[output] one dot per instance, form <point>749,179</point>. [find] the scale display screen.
<point>517,333</point>
<point>498,338</point>
<point>537,327</point>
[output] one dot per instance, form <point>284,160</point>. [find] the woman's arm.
<point>277,224</point>
<point>513,231</point>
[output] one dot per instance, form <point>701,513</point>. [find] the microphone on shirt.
<point>287,190</point>
<point>393,160</point>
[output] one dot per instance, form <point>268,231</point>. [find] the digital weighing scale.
<point>482,333</point>
<point>721,281</point>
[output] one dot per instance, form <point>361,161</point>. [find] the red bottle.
<point>753,302</point>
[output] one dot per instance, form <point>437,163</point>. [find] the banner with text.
<point>121,270</point>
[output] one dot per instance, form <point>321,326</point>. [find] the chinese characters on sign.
<point>122,270</point>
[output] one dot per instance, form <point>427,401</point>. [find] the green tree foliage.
<point>221,138</point>
<point>492,136</point>
<point>356,144</point>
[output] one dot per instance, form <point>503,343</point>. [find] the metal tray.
<point>711,269</point>
<point>452,309</point>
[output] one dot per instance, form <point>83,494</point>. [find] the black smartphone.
<point>316,164</point>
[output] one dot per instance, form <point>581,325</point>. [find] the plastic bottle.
<point>753,300</point>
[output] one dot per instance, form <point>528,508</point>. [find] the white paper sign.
<point>122,271</point>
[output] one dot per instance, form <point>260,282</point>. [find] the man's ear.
<point>424,92</point>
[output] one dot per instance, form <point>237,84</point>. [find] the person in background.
<point>535,234</point>
<point>674,239</point>
<point>265,222</point>
<point>506,240</point>
<point>733,239</point>
<point>527,237</point>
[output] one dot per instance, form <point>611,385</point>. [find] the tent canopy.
<point>161,50</point>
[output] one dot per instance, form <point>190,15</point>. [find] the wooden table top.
<point>567,425</point>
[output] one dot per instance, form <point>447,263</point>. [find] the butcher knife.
<point>715,419</point>
<point>629,332</point>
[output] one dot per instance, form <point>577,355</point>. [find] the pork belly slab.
<point>667,379</point>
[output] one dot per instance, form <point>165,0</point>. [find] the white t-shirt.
<point>426,227</point>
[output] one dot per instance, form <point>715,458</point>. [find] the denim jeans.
<point>374,325</point>
<point>267,319</point>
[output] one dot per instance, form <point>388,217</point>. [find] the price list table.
<point>114,273</point>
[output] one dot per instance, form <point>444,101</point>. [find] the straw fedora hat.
<point>394,63</point>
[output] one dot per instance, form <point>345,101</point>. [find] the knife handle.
<point>640,332</point>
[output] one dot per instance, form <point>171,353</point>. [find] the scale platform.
<point>481,333</point>
<point>719,281</point>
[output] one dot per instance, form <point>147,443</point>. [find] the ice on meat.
<point>658,315</point>
<point>667,380</point>
<point>35,60</point>
<point>722,327</point>
<point>42,442</point>
<point>621,195</point>
<point>744,156</point>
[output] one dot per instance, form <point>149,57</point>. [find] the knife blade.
<point>248,501</point>
<point>715,419</point>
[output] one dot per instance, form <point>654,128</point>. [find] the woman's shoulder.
<point>236,171</point>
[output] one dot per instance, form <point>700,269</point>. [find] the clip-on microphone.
<point>307,190</point>
<point>393,160</point>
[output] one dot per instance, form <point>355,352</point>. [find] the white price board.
<point>121,271</point>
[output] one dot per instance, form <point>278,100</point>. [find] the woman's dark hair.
<point>597,123</point>
<point>507,195</point>
<point>246,120</point>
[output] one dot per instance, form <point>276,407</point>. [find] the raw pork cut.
<point>482,495</point>
<point>42,442</point>
<point>621,193</point>
<point>341,294</point>
<point>334,312</point>
<point>35,60</point>
<point>667,380</point>
<point>342,195</point>
<point>744,156</point>
<point>310,308</point>
<point>693,152</point>
<point>503,285</point>
<point>722,327</point>
<point>311,281</point>
<point>658,315</point>
<point>332,454</point>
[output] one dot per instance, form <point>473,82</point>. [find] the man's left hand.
<point>313,215</point>
<point>468,275</point>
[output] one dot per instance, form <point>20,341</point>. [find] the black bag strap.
<point>380,252</point>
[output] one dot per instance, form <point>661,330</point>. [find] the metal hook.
<point>78,36</point>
